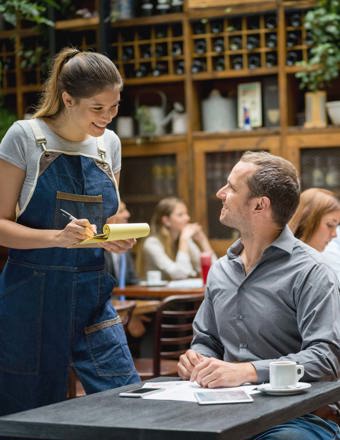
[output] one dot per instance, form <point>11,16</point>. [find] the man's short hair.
<point>277,179</point>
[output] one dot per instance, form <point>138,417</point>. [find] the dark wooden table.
<point>106,416</point>
<point>155,292</point>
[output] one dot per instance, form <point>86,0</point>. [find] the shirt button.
<point>240,317</point>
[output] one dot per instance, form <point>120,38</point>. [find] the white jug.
<point>219,114</point>
<point>150,118</point>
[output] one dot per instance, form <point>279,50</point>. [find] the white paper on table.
<point>184,390</point>
<point>189,283</point>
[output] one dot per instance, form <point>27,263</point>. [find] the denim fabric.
<point>308,427</point>
<point>55,304</point>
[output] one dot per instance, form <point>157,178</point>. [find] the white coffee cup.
<point>153,277</point>
<point>285,374</point>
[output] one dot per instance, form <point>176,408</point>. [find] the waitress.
<point>55,301</point>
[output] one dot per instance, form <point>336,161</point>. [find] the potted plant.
<point>323,24</point>
<point>33,11</point>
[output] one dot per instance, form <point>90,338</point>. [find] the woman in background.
<point>316,218</point>
<point>175,245</point>
<point>315,222</point>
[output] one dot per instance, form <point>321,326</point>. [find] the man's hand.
<point>187,363</point>
<point>214,373</point>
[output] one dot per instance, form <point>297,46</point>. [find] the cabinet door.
<point>317,158</point>
<point>213,163</point>
<point>151,175</point>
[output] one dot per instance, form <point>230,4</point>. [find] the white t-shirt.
<point>19,148</point>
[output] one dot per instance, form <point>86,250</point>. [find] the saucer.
<point>158,284</point>
<point>267,389</point>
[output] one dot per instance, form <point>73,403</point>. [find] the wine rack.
<point>234,43</point>
<point>298,39</point>
<point>149,52</point>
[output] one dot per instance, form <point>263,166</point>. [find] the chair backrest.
<point>173,327</point>
<point>125,309</point>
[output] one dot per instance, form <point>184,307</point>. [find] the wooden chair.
<point>125,310</point>
<point>173,335</point>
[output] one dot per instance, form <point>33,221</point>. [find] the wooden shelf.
<point>147,21</point>
<point>77,23</point>
<point>255,132</point>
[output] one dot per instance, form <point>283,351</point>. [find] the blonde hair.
<point>80,74</point>
<point>314,204</point>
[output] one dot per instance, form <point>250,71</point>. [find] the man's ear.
<point>262,203</point>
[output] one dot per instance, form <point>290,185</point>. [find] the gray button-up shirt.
<point>286,307</point>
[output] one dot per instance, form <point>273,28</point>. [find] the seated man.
<point>271,297</point>
<point>121,266</point>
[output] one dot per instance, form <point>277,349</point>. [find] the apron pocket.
<point>107,345</point>
<point>21,309</point>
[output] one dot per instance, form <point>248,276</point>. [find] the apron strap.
<point>38,134</point>
<point>42,142</point>
<point>101,148</point>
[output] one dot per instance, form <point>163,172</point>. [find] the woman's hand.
<point>190,230</point>
<point>118,246</point>
<point>74,232</point>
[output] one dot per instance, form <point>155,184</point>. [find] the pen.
<point>67,214</point>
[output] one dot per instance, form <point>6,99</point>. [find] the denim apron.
<point>55,303</point>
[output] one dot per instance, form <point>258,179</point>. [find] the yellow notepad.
<point>118,231</point>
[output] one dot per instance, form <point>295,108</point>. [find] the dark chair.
<point>173,335</point>
<point>125,310</point>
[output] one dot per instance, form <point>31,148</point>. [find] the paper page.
<point>119,231</point>
<point>184,390</point>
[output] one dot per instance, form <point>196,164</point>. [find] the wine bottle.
<point>270,21</point>
<point>292,57</point>
<point>179,67</point>
<point>200,46</point>
<point>236,62</point>
<point>198,65</point>
<point>216,26</point>
<point>128,53</point>
<point>177,49</point>
<point>234,24</point>
<point>253,22</point>
<point>254,61</point>
<point>160,31</point>
<point>219,65</point>
<point>160,50</point>
<point>199,27</point>
<point>253,42</point>
<point>142,71</point>
<point>292,38</point>
<point>162,7</point>
<point>295,19</point>
<point>218,45</point>
<point>309,39</point>
<point>145,51</point>
<point>235,43</point>
<point>271,40</point>
<point>146,8</point>
<point>176,6</point>
<point>161,68</point>
<point>271,59</point>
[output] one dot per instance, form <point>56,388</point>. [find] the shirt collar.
<point>284,241</point>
